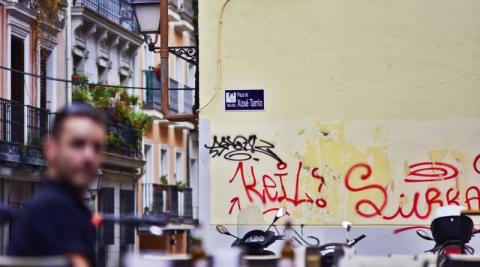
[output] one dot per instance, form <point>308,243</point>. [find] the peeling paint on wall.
<point>324,173</point>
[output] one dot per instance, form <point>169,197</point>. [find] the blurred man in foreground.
<point>56,220</point>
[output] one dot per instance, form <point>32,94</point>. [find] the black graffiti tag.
<point>241,148</point>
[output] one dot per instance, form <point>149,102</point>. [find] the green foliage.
<point>82,95</point>
<point>117,103</point>
<point>164,179</point>
<point>141,122</point>
<point>181,186</point>
<point>114,141</point>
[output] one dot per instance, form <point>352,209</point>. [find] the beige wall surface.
<point>372,105</point>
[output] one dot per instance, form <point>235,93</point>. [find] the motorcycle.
<point>154,225</point>
<point>255,242</point>
<point>451,230</point>
<point>332,252</point>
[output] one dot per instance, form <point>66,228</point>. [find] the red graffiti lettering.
<point>269,183</point>
<point>476,164</point>
<point>249,188</point>
<point>377,209</point>
<point>469,198</point>
<point>431,172</point>
<point>454,200</point>
<point>408,228</point>
<point>234,201</point>
<point>272,190</point>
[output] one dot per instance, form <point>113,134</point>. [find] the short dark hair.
<point>76,109</point>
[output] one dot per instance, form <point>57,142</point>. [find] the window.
<point>179,165</point>
<point>164,160</point>
<point>147,184</point>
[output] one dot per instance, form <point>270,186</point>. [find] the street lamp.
<point>152,16</point>
<point>148,15</point>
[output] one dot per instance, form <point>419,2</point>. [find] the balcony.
<point>186,10</point>
<point>117,11</point>
<point>169,200</point>
<point>173,96</point>
<point>183,10</point>
<point>153,98</point>
<point>123,140</point>
<point>181,99</point>
<point>23,129</point>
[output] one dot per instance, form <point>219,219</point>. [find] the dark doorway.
<point>44,55</point>
<point>17,89</point>
<point>106,201</point>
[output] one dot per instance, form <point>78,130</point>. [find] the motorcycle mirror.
<point>347,225</point>
<point>280,213</point>
<point>222,230</point>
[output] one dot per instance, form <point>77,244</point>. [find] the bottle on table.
<point>287,258</point>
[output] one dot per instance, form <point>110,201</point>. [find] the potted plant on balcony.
<point>121,108</point>
<point>158,71</point>
<point>164,180</point>
<point>181,186</point>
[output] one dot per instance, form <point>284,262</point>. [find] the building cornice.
<point>89,16</point>
<point>21,11</point>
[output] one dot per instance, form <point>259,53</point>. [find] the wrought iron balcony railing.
<point>123,140</point>
<point>188,100</point>
<point>183,7</point>
<point>153,98</point>
<point>117,11</point>
<point>168,199</point>
<point>173,96</point>
<point>37,130</point>
<point>176,103</point>
<point>186,10</point>
<point>23,129</point>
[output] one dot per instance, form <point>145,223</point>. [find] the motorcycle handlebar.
<point>348,244</point>
<point>356,240</point>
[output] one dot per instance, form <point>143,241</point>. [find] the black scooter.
<point>255,242</point>
<point>451,235</point>
<point>332,252</point>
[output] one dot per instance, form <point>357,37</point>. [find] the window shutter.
<point>106,205</point>
<point>127,232</point>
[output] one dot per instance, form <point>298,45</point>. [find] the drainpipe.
<point>164,56</point>
<point>68,52</point>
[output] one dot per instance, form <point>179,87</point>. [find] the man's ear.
<point>49,148</point>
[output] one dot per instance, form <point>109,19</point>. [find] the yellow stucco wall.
<point>380,85</point>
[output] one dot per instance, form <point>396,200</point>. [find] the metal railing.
<point>11,130</point>
<point>123,140</point>
<point>183,7</point>
<point>23,129</point>
<point>188,101</point>
<point>153,98</point>
<point>175,101</point>
<point>29,3</point>
<point>167,199</point>
<point>186,10</point>
<point>147,196</point>
<point>173,96</point>
<point>117,11</point>
<point>37,130</point>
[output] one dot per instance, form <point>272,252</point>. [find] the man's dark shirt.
<point>54,222</point>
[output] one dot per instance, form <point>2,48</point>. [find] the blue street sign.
<point>244,100</point>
